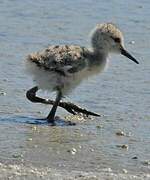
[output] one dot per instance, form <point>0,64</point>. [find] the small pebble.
<point>80,147</point>
<point>99,126</point>
<point>124,146</point>
<point>17,155</point>
<point>129,134</point>
<point>109,170</point>
<point>2,93</point>
<point>146,162</point>
<point>79,176</point>
<point>120,133</point>
<point>135,157</point>
<point>61,165</point>
<point>124,171</point>
<point>34,128</point>
<point>72,151</point>
<point>132,42</point>
<point>39,112</point>
<point>92,150</point>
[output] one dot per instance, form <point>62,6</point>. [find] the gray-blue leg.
<point>51,116</point>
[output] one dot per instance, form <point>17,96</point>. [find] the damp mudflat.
<point>115,145</point>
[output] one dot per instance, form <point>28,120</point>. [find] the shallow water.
<point>121,94</point>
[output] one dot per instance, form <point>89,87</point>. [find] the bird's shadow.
<point>30,120</point>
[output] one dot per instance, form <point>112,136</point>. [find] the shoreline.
<point>17,172</point>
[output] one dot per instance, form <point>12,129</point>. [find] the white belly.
<point>49,80</point>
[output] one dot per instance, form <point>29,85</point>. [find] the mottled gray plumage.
<point>61,59</point>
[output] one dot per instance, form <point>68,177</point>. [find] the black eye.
<point>117,40</point>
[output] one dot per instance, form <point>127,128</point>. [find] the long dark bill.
<point>125,53</point>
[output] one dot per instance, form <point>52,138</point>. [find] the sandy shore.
<point>21,172</point>
<point>32,151</point>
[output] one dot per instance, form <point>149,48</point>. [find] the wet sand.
<point>114,146</point>
<point>31,149</point>
<point>21,172</point>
